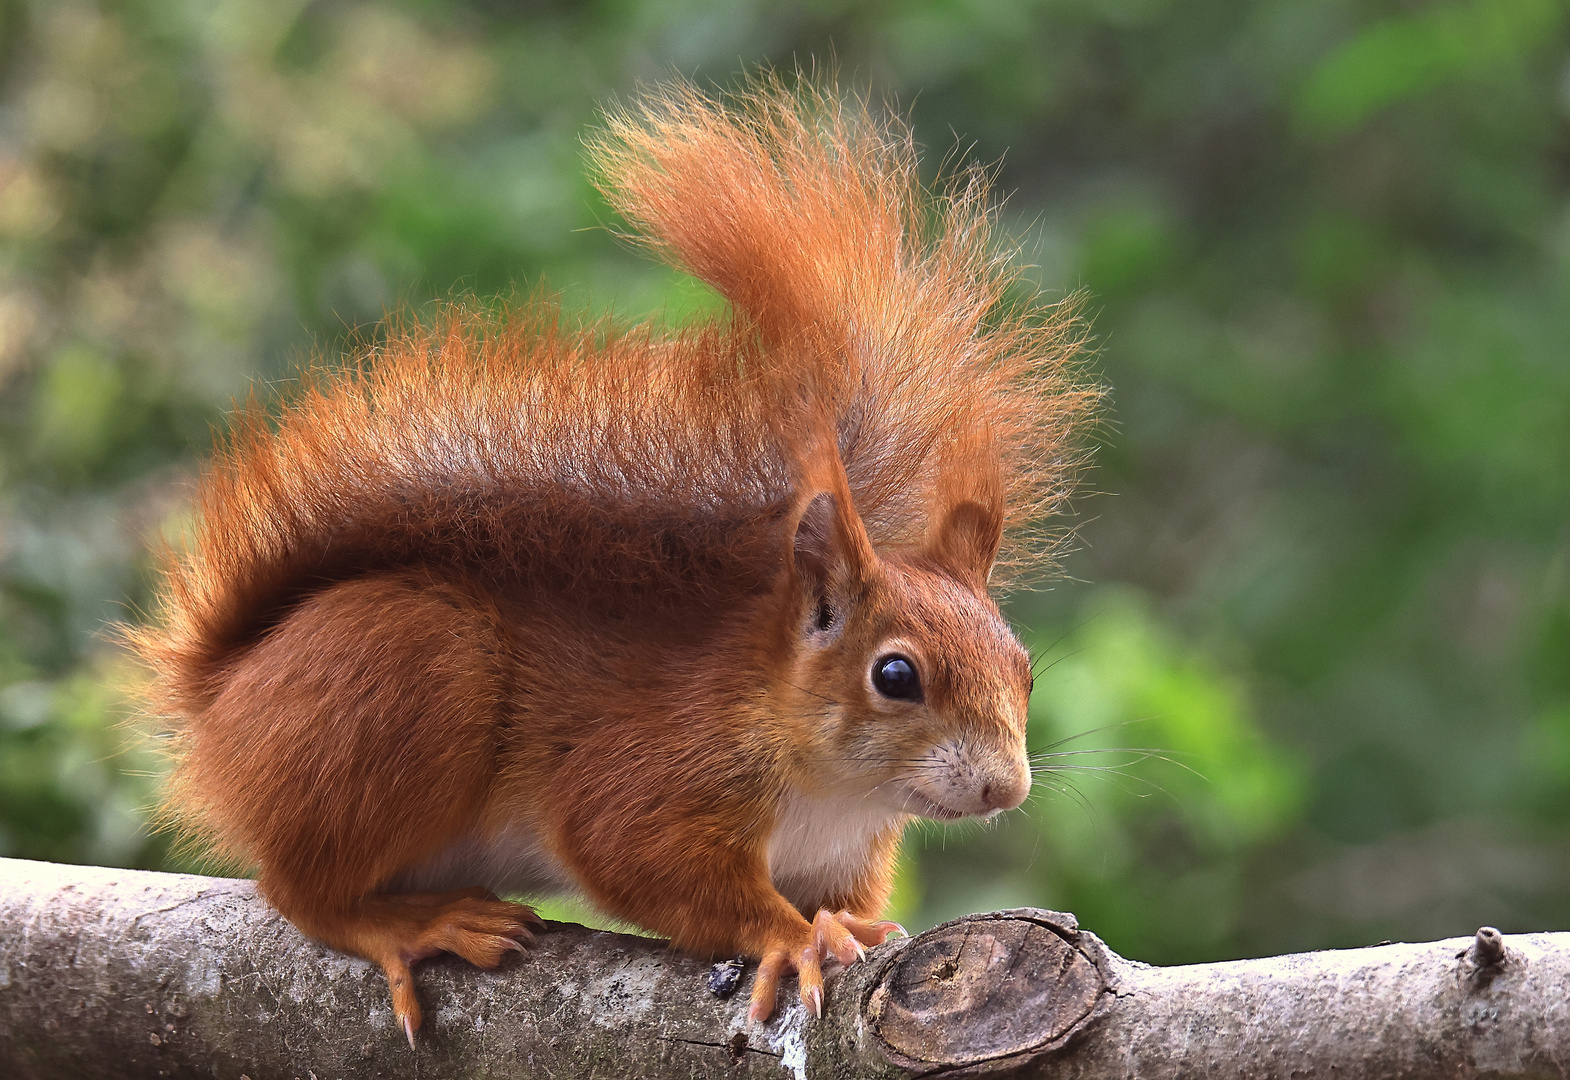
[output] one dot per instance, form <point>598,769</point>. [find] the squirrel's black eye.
<point>895,677</point>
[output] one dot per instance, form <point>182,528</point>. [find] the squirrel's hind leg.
<point>355,740</point>
<point>398,930</point>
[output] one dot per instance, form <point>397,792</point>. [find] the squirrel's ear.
<point>830,548</point>
<point>964,541</point>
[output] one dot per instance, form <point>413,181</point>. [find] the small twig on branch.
<point>120,973</point>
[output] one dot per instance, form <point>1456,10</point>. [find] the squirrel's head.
<point>910,683</point>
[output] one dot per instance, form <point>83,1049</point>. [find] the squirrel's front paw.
<point>840,936</point>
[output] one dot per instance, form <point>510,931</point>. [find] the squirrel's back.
<point>868,324</point>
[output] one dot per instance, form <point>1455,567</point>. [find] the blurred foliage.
<point>1324,598</point>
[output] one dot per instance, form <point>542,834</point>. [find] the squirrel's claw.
<point>809,979</point>
<point>832,937</point>
<point>406,1007</point>
<point>812,997</point>
<point>841,935</point>
<point>776,963</point>
<point>471,923</point>
<point>869,932</point>
<point>480,931</point>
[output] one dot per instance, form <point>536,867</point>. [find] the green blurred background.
<point>1324,559</point>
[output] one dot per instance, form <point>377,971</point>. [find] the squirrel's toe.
<point>406,1007</point>
<point>832,937</point>
<point>869,932</point>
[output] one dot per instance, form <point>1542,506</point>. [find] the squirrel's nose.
<point>1006,791</point>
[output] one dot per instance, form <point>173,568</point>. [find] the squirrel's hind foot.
<point>399,930</point>
<point>835,935</point>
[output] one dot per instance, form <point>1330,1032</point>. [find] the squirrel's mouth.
<point>918,804</point>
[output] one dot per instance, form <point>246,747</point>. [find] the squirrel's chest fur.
<point>820,844</point>
<point>818,849</point>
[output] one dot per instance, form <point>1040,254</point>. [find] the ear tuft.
<point>965,542</point>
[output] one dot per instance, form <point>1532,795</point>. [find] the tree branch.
<point>121,973</point>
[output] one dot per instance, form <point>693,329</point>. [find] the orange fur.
<point>509,605</point>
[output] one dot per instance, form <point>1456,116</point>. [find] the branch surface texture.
<point>124,973</point>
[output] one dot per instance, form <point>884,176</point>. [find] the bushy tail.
<point>805,211</point>
<point>864,307</point>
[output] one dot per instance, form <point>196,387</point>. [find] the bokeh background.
<point>1322,583</point>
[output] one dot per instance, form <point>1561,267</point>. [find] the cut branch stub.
<point>980,995</point>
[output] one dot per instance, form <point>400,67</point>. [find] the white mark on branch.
<point>788,1038</point>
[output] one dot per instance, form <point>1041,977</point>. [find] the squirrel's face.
<point>913,686</point>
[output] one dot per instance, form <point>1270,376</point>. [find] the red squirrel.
<point>689,621</point>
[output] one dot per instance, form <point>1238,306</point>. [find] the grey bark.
<point>116,973</point>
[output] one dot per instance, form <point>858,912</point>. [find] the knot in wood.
<point>1488,948</point>
<point>983,991</point>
